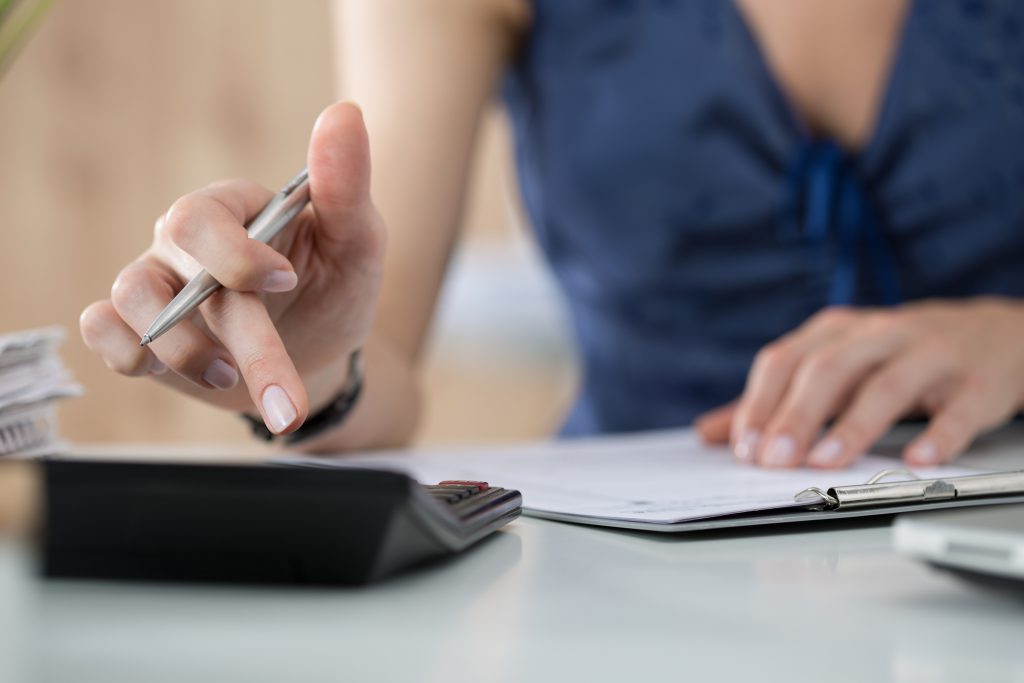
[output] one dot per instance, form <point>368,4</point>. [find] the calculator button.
<point>480,485</point>
<point>451,494</point>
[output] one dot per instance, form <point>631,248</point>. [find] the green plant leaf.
<point>5,8</point>
<point>17,20</point>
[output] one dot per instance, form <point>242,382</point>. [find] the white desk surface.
<point>546,601</point>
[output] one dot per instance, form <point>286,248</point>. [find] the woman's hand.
<point>825,393</point>
<point>289,314</point>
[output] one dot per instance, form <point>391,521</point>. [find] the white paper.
<point>32,378</point>
<point>656,477</point>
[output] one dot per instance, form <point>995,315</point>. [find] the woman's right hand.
<point>290,314</point>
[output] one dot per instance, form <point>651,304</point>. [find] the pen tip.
<point>145,340</point>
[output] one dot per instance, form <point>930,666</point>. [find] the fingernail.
<point>220,375</point>
<point>157,367</point>
<point>779,452</point>
<point>278,408</point>
<point>280,281</point>
<point>826,453</point>
<point>925,453</point>
<point>746,445</point>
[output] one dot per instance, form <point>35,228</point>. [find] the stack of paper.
<point>32,379</point>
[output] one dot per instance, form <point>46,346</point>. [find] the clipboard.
<point>879,495</point>
<point>672,482</point>
<point>913,490</point>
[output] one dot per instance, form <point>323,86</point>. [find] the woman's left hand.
<point>825,393</point>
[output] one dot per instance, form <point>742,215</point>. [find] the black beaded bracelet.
<point>330,416</point>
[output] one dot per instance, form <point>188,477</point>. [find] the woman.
<point>812,208</point>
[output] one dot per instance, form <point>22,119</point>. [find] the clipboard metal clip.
<point>892,473</point>
<point>909,488</point>
<point>816,499</point>
<point>819,499</point>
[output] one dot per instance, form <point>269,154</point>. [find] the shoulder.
<point>506,10</point>
<point>513,16</point>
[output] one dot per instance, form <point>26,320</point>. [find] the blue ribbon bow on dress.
<point>827,202</point>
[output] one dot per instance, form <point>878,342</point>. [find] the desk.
<point>549,601</point>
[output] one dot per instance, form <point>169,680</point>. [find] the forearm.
<point>422,133</point>
<point>422,71</point>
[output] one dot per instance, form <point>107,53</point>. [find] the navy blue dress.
<point>690,218</point>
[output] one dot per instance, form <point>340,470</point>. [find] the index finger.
<point>772,373</point>
<point>209,228</point>
<point>241,322</point>
<point>243,198</point>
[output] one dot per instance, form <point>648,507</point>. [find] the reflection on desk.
<point>18,611</point>
<point>547,601</point>
<point>550,601</point>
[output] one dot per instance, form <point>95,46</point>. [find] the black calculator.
<point>257,523</point>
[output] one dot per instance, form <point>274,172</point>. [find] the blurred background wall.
<point>117,107</point>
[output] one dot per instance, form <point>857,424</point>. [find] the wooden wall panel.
<point>114,109</point>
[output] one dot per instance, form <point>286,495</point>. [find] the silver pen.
<point>278,213</point>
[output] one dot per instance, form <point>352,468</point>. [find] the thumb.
<point>339,172</point>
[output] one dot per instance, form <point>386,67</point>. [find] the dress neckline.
<point>783,101</point>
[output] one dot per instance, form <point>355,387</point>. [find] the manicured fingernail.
<point>826,453</point>
<point>925,453</point>
<point>746,445</point>
<point>277,408</point>
<point>157,367</point>
<point>280,281</point>
<point>779,452</point>
<point>220,375</point>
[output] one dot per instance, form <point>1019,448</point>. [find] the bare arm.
<point>422,71</point>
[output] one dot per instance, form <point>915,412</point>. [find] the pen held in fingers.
<point>271,220</point>
<point>188,299</point>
